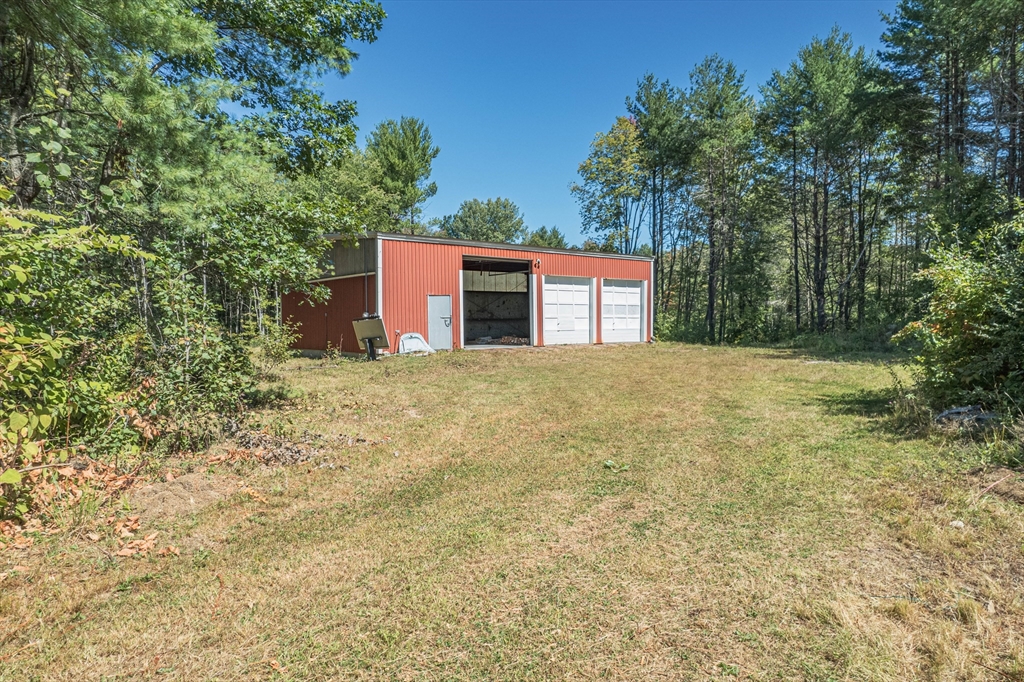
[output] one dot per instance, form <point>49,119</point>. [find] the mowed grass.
<point>759,522</point>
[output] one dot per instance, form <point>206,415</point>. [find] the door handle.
<point>447,320</point>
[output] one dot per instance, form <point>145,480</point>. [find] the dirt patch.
<point>185,495</point>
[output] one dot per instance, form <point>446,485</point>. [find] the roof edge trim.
<point>427,239</point>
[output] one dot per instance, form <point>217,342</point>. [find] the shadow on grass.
<point>871,403</point>
<point>886,409</point>
<point>873,346</point>
<point>825,355</point>
<point>898,415</point>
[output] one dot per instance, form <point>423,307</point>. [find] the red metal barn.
<point>460,294</point>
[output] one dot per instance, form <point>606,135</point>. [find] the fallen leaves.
<point>128,545</point>
<point>54,482</point>
<point>22,542</point>
<point>138,547</point>
<point>254,495</point>
<point>124,528</point>
<point>14,535</point>
<point>233,455</point>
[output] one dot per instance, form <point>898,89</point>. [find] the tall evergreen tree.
<point>404,151</point>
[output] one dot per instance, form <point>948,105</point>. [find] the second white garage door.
<point>621,311</point>
<point>566,310</point>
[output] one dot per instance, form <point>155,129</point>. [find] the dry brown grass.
<point>767,527</point>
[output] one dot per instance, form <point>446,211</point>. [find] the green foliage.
<point>404,151</point>
<point>958,68</point>
<point>49,278</point>
<point>612,195</point>
<point>352,187</point>
<point>271,346</point>
<point>971,338</point>
<point>542,236</point>
<point>142,227</point>
<point>201,370</point>
<point>495,220</point>
<point>609,245</point>
<point>275,47</point>
<point>79,370</point>
<point>49,302</point>
<point>808,212</point>
<point>267,238</point>
<point>313,134</point>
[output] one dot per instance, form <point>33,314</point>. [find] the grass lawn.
<point>759,522</point>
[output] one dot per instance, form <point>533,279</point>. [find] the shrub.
<point>90,367</point>
<point>972,337</point>
<point>271,347</point>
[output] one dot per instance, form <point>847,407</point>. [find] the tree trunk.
<point>819,286</point>
<point>796,242</point>
<point>712,265</point>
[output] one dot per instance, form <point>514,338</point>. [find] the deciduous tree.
<point>494,220</point>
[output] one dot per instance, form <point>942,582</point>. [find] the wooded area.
<point>823,205</point>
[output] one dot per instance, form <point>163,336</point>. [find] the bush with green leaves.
<point>272,345</point>
<point>83,370</point>
<point>972,337</point>
<point>50,300</point>
<point>142,226</point>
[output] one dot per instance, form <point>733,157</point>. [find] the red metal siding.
<point>330,324</point>
<point>410,271</point>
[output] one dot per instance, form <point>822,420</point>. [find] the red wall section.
<point>330,323</point>
<point>413,270</point>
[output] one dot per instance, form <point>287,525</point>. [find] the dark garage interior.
<point>496,297</point>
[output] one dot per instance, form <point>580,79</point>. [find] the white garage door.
<point>621,307</point>
<point>566,310</point>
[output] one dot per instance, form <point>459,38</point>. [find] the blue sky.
<point>513,92</point>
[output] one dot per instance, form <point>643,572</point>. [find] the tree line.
<point>812,205</point>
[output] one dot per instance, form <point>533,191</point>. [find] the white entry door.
<point>566,310</point>
<point>439,322</point>
<point>621,311</point>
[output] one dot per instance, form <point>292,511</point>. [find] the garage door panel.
<point>621,318</point>
<point>566,310</point>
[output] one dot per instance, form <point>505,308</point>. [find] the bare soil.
<point>187,494</point>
